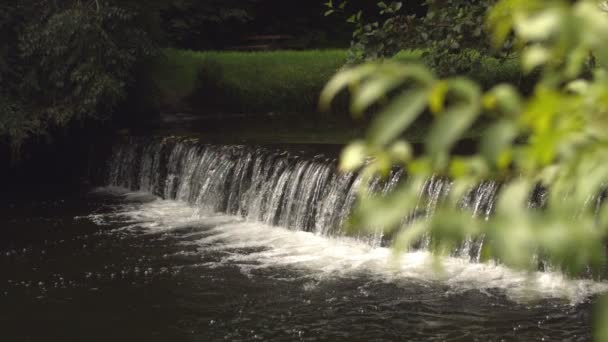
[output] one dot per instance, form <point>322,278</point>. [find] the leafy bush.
<point>450,32</point>
<point>72,61</point>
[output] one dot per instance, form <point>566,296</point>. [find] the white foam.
<point>324,257</point>
<point>126,194</point>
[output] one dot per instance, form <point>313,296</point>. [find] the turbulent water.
<point>195,242</point>
<point>127,266</point>
<point>294,203</point>
<point>253,245</point>
<point>265,185</point>
<point>290,189</point>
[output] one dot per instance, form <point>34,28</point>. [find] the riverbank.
<point>279,82</point>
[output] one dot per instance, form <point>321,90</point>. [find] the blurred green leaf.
<point>343,79</point>
<point>496,140</point>
<point>353,156</point>
<point>437,96</point>
<point>538,26</point>
<point>455,120</point>
<point>401,151</point>
<point>397,117</point>
<point>504,98</point>
<point>386,212</point>
<point>600,319</point>
<point>371,91</point>
<point>513,199</point>
<point>533,57</point>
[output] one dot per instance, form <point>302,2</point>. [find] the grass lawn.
<point>247,82</point>
<point>269,81</point>
<point>285,84</point>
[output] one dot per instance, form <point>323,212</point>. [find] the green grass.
<point>255,82</point>
<point>284,82</point>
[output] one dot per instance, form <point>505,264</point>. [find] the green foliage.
<point>377,39</point>
<point>68,62</point>
<point>555,136</point>
<point>454,30</point>
<point>451,33</point>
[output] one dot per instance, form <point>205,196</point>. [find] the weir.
<point>280,187</point>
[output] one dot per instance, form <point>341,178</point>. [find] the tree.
<point>554,137</point>
<point>204,24</point>
<point>65,61</point>
<point>449,32</point>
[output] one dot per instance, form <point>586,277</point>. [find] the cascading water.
<point>271,186</point>
<point>209,242</point>
<point>286,206</point>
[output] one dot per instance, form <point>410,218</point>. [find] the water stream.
<point>195,242</point>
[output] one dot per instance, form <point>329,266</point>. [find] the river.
<point>118,264</point>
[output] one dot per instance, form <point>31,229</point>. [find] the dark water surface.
<point>99,267</point>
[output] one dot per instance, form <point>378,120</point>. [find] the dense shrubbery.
<point>450,32</point>
<point>64,62</point>
<point>67,61</point>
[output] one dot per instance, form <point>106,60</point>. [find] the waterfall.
<point>291,189</point>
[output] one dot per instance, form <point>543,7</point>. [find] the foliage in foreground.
<point>555,137</point>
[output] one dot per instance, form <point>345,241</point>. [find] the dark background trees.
<point>71,61</point>
<point>220,24</point>
<point>72,67</point>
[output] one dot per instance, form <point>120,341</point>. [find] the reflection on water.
<point>128,267</point>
